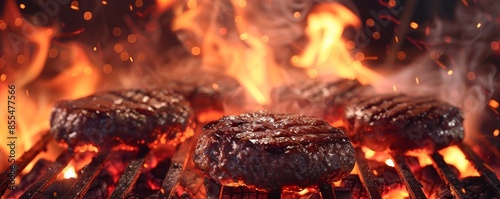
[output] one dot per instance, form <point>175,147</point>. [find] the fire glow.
<point>244,46</point>
<point>69,172</point>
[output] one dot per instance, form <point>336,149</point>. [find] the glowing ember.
<point>69,172</point>
<point>493,104</point>
<point>304,191</point>
<point>413,25</point>
<point>368,152</point>
<point>454,156</point>
<point>87,16</point>
<point>389,162</point>
<point>401,193</point>
<point>86,148</point>
<point>495,45</point>
<point>164,4</point>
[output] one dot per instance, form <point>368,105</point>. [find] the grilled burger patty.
<point>323,99</point>
<point>133,117</point>
<point>273,151</point>
<point>402,123</point>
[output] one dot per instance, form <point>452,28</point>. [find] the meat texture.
<point>402,123</point>
<point>133,117</point>
<point>319,98</point>
<point>206,91</point>
<point>272,151</point>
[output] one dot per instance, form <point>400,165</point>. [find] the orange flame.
<point>34,96</point>
<point>454,156</point>
<point>389,162</point>
<point>236,47</point>
<point>396,194</point>
<point>21,65</point>
<point>163,5</point>
<point>243,44</point>
<point>69,172</point>
<point>327,54</point>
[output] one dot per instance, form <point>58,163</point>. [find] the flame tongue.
<point>325,26</point>
<point>326,54</point>
<point>251,47</point>
<point>69,172</point>
<point>32,63</point>
<point>234,46</point>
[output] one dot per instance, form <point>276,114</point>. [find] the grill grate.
<point>365,175</point>
<point>25,159</point>
<point>483,169</point>
<point>49,176</point>
<point>447,175</point>
<point>89,173</point>
<point>169,186</point>
<point>412,185</point>
<point>128,178</point>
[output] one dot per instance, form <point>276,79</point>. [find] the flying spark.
<point>493,104</point>
<point>414,25</point>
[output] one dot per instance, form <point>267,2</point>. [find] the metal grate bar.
<point>242,192</point>
<point>179,161</point>
<point>24,160</point>
<point>186,195</point>
<point>89,173</point>
<point>483,169</point>
<point>412,185</point>
<point>274,194</point>
<point>327,191</point>
<point>447,175</point>
<point>366,176</point>
<point>491,146</point>
<point>171,180</point>
<point>343,193</point>
<point>128,178</point>
<point>50,175</point>
<point>214,189</point>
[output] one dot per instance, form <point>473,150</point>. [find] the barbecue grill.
<point>362,184</point>
<point>169,188</point>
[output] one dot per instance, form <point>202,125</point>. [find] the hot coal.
<point>319,98</point>
<point>192,181</point>
<point>144,194</point>
<point>152,178</point>
<point>385,177</point>
<point>475,187</point>
<point>98,189</point>
<point>430,180</point>
<point>402,123</point>
<point>134,117</point>
<point>205,90</point>
<point>273,151</point>
<point>114,167</point>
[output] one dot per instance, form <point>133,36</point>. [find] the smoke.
<point>456,67</point>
